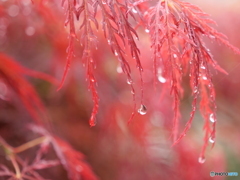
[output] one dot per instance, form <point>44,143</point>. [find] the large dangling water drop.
<point>201,159</point>
<point>142,110</point>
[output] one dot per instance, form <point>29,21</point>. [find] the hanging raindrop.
<point>92,79</point>
<point>204,77</point>
<point>147,30</point>
<point>201,159</point>
<point>195,89</point>
<point>161,79</point>
<point>203,67</point>
<point>134,10</point>
<point>116,53</point>
<point>212,36</point>
<point>142,110</point>
<point>212,139</point>
<point>129,81</point>
<point>211,118</point>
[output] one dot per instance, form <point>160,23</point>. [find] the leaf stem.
<point>29,144</point>
<point>15,165</point>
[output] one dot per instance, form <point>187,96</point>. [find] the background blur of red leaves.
<point>36,38</point>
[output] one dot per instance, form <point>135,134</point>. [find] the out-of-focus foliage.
<point>33,34</point>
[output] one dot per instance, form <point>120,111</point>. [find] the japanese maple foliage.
<point>153,52</point>
<point>176,29</point>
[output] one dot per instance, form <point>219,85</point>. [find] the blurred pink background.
<point>142,150</point>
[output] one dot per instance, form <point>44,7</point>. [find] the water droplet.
<point>175,56</point>
<point>161,79</point>
<point>211,118</point>
<point>104,2</point>
<point>73,34</point>
<point>92,79</point>
<point>109,42</point>
<point>142,110</point>
<point>212,139</point>
<point>134,10</point>
<point>201,159</point>
<point>204,77</point>
<point>30,31</point>
<point>195,90</point>
<point>203,67</point>
<point>147,30</point>
<point>92,121</point>
<point>212,37</point>
<point>13,10</point>
<point>129,81</point>
<point>119,69</point>
<point>132,91</point>
<point>116,53</point>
